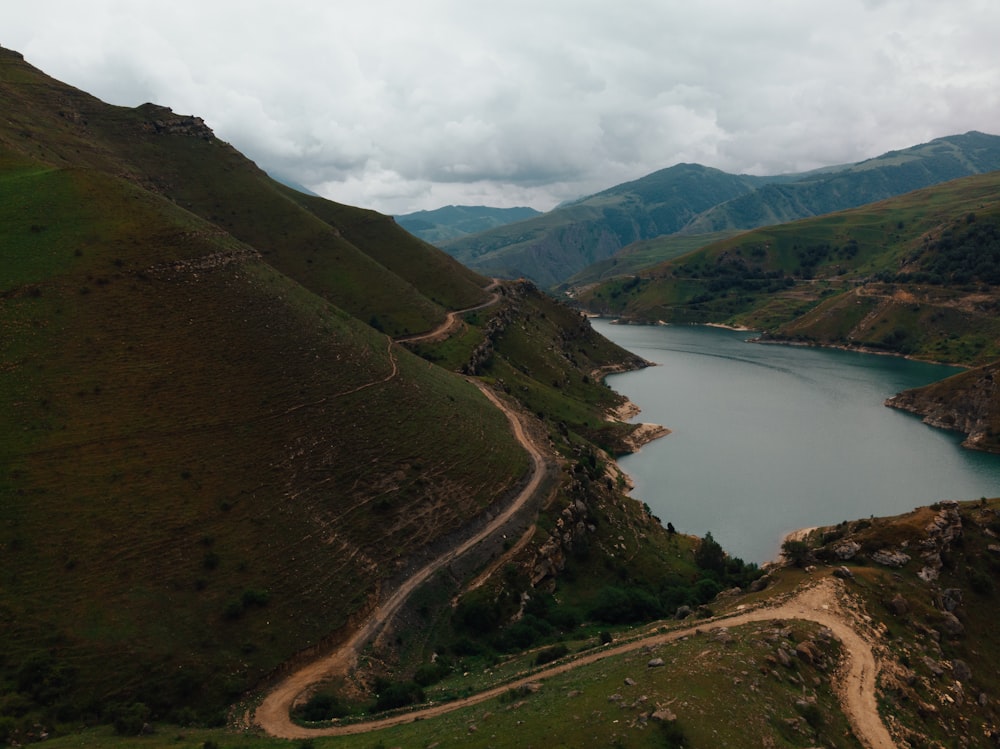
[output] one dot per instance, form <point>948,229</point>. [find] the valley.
<point>273,469</point>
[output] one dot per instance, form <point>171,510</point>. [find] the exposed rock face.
<point>967,403</point>
<point>846,550</point>
<point>164,121</point>
<point>890,558</point>
<point>551,556</point>
<point>941,532</point>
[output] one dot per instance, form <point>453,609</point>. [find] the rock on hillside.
<point>968,402</point>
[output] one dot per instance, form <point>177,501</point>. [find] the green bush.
<point>130,720</point>
<point>399,694</point>
<point>432,673</point>
<point>321,706</point>
<point>551,654</point>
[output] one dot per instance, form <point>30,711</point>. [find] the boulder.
<point>890,558</point>
<point>807,651</point>
<point>898,605</point>
<point>843,573</point>
<point>663,715</point>
<point>960,670</point>
<point>683,612</point>
<point>655,662</point>
<point>933,666</point>
<point>846,550</point>
<point>950,625</point>
<point>951,598</point>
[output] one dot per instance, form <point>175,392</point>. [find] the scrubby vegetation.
<point>911,275</point>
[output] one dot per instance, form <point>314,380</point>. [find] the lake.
<point>771,438</point>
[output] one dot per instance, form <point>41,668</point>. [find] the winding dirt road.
<point>452,319</point>
<point>273,714</point>
<point>817,603</point>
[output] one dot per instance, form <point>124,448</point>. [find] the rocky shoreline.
<point>643,434</point>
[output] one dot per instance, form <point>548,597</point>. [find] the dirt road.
<point>452,319</point>
<point>273,714</point>
<point>817,603</point>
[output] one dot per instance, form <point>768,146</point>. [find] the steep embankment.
<point>215,456</point>
<point>817,603</point>
<point>967,403</point>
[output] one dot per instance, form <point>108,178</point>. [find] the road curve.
<point>817,603</point>
<point>451,319</point>
<point>274,712</point>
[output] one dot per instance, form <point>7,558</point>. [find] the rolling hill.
<point>552,247</point>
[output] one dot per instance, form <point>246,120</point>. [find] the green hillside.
<point>906,275</point>
<point>552,247</point>
<point>214,458</point>
<point>636,225</point>
<point>893,173</point>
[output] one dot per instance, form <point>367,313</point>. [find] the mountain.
<point>893,173</point>
<point>245,431</point>
<point>551,247</point>
<point>218,449</point>
<point>688,205</point>
<point>454,221</point>
<point>913,274</point>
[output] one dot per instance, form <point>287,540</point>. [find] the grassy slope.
<point>175,437</point>
<point>550,248</point>
<point>207,463</point>
<point>832,280</point>
<point>392,280</point>
<point>643,254</point>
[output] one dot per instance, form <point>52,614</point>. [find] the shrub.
<point>130,720</point>
<point>321,706</point>
<point>551,654</point>
<point>431,673</point>
<point>399,694</point>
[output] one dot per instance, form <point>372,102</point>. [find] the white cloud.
<point>401,106</point>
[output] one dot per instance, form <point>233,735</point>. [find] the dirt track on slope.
<point>273,714</point>
<point>817,603</point>
<point>452,320</point>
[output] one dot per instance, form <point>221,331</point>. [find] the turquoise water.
<point>768,438</point>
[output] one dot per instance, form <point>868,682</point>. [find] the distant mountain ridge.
<point>549,248</point>
<point>891,174</point>
<point>455,221</point>
<point>690,199</point>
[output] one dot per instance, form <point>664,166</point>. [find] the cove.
<point>769,438</point>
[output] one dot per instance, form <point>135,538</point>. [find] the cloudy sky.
<point>402,106</point>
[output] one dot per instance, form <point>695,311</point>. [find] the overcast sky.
<point>402,106</point>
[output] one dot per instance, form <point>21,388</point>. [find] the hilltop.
<point>637,224</point>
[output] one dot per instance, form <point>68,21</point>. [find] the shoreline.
<point>644,432</point>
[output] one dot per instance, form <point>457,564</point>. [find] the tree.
<point>709,556</point>
<point>796,552</point>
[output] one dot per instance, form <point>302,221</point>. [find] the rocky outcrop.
<point>550,559</point>
<point>163,121</point>
<point>968,402</point>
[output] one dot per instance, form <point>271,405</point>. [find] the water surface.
<point>769,438</point>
